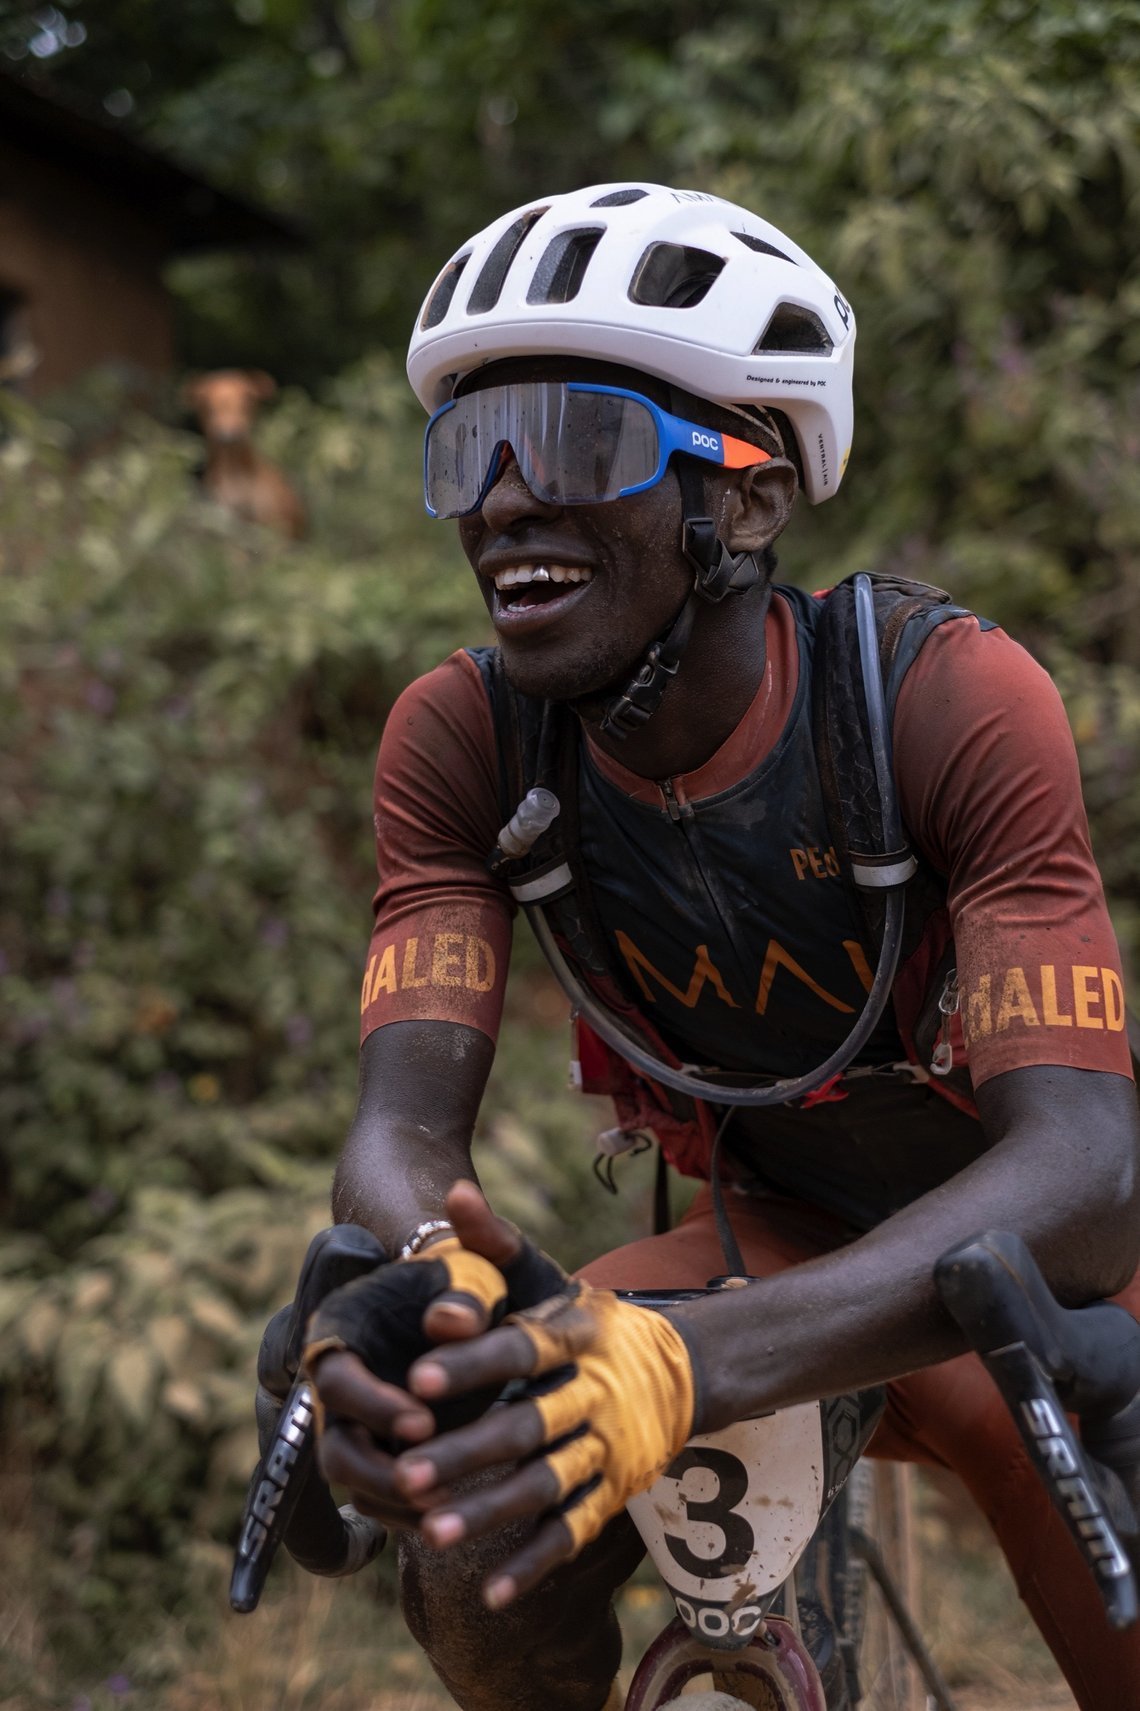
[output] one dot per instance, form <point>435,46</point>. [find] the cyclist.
<point>630,385</point>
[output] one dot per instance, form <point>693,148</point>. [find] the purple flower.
<point>275,932</point>
<point>119,1685</point>
<point>1012,361</point>
<point>298,1032</point>
<point>100,697</point>
<point>65,996</point>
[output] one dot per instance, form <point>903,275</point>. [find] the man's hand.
<point>616,1407</point>
<point>364,1337</point>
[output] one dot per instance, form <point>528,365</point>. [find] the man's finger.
<point>347,1388</point>
<point>496,1439</point>
<point>347,1456</point>
<point>550,1546</point>
<point>478,1228</point>
<point>529,1492</point>
<point>494,1359</point>
<point>453,1317</point>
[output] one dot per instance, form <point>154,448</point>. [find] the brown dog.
<point>237,475</point>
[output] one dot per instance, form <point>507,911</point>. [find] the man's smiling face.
<point>614,578</point>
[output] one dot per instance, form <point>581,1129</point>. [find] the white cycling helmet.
<point>676,283</point>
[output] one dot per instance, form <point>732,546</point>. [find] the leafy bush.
<point>191,714</point>
<point>192,711</point>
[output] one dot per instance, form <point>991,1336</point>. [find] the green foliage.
<point>970,175</point>
<point>190,716</point>
<point>191,713</point>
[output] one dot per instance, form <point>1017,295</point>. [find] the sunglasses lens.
<point>572,447</point>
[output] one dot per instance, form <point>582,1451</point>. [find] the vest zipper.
<point>665,786</point>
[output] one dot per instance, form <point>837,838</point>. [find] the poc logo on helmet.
<point>711,442</point>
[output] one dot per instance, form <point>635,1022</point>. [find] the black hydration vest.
<point>732,929</point>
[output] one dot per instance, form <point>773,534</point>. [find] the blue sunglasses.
<point>574,443</point>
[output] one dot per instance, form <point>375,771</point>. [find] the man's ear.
<point>757,505</point>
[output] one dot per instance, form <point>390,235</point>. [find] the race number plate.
<point>729,1518</point>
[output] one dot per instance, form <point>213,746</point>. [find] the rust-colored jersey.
<point>989,790</point>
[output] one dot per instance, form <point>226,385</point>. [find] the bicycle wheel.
<point>706,1702</point>
<point>880,1507</point>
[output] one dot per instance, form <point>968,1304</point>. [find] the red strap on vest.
<point>828,1093</point>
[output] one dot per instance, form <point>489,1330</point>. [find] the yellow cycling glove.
<point>467,1273</point>
<point>628,1400</point>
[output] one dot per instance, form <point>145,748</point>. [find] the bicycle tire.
<point>880,1504</point>
<point>706,1702</point>
<point>774,1674</point>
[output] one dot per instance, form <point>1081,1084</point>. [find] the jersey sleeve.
<point>990,788</point>
<point>441,937</point>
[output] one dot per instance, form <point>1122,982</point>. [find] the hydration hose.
<point>607,1026</point>
<point>887,870</point>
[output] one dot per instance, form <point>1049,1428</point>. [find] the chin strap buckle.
<point>641,697</point>
<point>718,572</point>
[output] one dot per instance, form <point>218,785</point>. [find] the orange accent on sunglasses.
<point>738,454</point>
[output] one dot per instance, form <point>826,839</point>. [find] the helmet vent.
<point>762,247</point>
<point>439,302</point>
<point>559,275</point>
<point>619,198</point>
<point>674,276</point>
<point>793,328</point>
<point>488,286</point>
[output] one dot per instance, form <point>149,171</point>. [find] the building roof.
<point>195,214</point>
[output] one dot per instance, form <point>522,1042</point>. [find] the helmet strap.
<point>639,700</point>
<point>716,573</point>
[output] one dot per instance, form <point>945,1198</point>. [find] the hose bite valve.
<point>538,810</point>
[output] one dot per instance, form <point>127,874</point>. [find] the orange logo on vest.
<point>705,972</point>
<point>821,864</point>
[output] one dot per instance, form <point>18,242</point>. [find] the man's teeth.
<point>521,574</point>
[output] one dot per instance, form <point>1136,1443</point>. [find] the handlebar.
<point>284,1504</point>
<point>1049,1361</point>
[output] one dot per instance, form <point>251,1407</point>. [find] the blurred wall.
<point>79,277</point>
